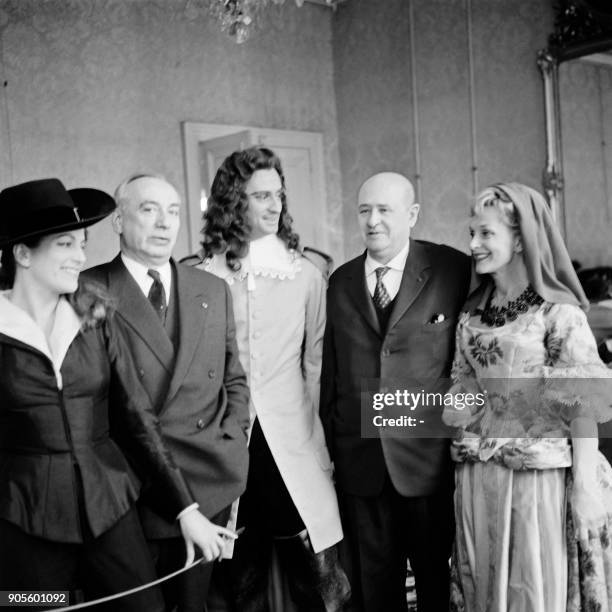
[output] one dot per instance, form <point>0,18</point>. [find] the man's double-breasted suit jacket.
<point>435,282</point>
<point>198,391</point>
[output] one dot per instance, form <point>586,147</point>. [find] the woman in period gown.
<point>279,307</point>
<point>533,500</point>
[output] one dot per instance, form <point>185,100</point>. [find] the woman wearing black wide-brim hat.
<point>67,493</point>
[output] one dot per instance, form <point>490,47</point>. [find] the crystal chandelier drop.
<point>237,17</point>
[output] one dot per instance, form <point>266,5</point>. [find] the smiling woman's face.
<point>493,242</point>
<point>56,262</point>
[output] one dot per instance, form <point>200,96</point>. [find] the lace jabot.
<point>268,257</point>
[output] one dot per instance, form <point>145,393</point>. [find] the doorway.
<point>301,153</point>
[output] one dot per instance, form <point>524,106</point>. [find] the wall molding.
<point>418,178</point>
<point>472,98</point>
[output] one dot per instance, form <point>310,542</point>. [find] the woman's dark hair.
<point>226,228</point>
<point>90,301</point>
<point>7,261</point>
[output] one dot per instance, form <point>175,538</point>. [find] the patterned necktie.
<point>381,296</point>
<point>157,295</point>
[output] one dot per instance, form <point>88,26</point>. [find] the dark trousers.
<point>266,511</point>
<point>188,591</point>
<point>382,532</point>
<point>115,561</point>
<point>266,505</point>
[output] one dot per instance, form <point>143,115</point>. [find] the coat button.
<point>386,352</point>
<point>204,304</point>
<point>211,373</point>
<point>141,372</point>
<point>200,423</point>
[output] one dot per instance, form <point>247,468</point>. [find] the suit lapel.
<point>416,273</point>
<point>360,295</point>
<point>192,310</point>
<point>138,314</point>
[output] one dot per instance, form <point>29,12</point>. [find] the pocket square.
<point>437,318</point>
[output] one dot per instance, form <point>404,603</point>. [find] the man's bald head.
<point>387,213</point>
<point>390,184</point>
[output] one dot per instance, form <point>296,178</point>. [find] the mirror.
<point>585,102</point>
<point>577,74</point>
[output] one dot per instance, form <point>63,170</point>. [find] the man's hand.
<point>198,531</point>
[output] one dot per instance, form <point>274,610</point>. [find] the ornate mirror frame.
<point>582,27</point>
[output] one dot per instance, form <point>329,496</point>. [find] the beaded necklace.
<point>496,316</point>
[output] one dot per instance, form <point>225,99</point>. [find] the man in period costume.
<point>279,305</point>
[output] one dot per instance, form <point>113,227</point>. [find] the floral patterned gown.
<point>515,548</point>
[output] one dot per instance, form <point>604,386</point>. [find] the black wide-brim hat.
<point>37,208</point>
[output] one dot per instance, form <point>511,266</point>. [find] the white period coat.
<point>279,307</point>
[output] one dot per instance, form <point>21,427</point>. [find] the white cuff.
<point>184,511</point>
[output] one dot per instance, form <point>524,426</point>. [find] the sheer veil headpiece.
<point>549,267</point>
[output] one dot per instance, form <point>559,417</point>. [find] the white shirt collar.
<point>140,274</point>
<point>397,263</point>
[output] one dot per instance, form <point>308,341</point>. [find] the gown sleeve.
<point>464,385</point>
<point>578,384</point>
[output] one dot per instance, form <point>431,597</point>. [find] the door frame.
<point>194,132</point>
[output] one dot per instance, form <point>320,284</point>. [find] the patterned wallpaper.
<point>586,126</point>
<point>372,59</point>
<point>96,89</point>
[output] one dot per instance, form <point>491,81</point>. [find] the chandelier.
<point>237,17</point>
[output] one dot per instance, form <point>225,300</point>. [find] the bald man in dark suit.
<point>391,314</point>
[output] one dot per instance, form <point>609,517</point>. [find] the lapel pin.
<point>438,318</point>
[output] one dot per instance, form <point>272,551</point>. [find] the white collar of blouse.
<point>17,324</point>
<point>267,257</point>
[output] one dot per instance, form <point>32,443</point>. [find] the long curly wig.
<point>226,228</point>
